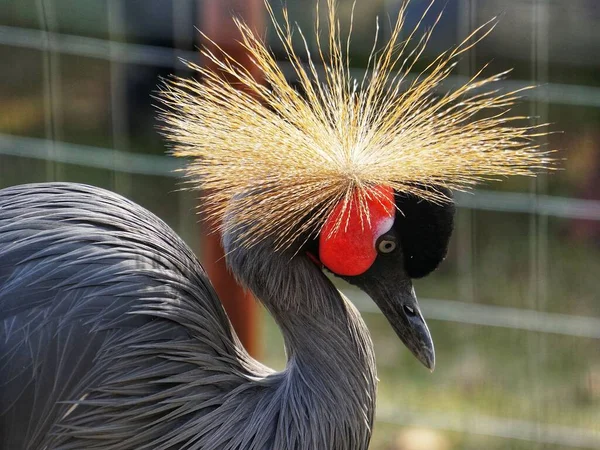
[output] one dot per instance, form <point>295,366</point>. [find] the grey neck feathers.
<point>328,387</point>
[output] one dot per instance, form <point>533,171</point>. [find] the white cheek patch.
<point>382,227</point>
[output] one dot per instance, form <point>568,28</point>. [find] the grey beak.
<point>402,311</point>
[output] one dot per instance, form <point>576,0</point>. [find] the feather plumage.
<point>112,338</point>
<point>272,154</point>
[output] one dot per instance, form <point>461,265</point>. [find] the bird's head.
<point>363,165</point>
<point>396,239</point>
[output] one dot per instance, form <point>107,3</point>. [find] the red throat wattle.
<point>351,250</point>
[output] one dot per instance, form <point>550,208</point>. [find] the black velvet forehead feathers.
<point>424,229</point>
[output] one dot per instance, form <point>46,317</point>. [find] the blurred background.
<point>515,309</point>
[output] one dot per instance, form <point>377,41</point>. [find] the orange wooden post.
<point>217,23</point>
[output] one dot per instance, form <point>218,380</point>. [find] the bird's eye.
<point>386,246</point>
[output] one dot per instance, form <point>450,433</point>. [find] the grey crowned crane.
<point>111,335</point>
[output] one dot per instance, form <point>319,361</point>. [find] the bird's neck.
<point>329,341</point>
<point>330,375</point>
<point>331,372</point>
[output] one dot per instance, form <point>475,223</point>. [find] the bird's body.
<point>111,337</point>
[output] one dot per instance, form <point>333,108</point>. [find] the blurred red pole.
<point>217,23</point>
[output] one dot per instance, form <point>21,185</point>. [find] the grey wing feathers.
<point>104,312</point>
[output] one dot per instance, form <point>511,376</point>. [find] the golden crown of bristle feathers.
<point>270,155</point>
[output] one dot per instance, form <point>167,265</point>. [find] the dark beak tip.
<point>428,360</point>
<point>431,366</point>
